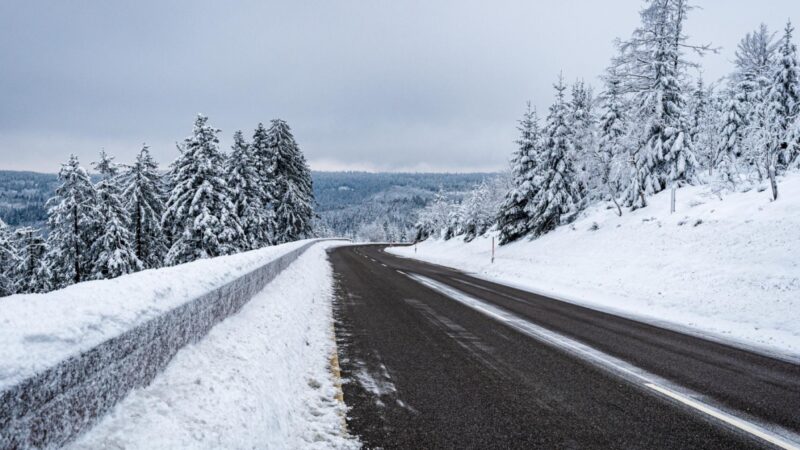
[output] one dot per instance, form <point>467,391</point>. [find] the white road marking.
<point>384,265</point>
<point>725,417</point>
<point>774,435</point>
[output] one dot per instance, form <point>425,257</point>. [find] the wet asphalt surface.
<point>423,371</point>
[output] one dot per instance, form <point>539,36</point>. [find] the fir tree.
<point>730,143</point>
<point>248,196</point>
<point>143,195</point>
<point>200,216</point>
<point>113,251</point>
<point>558,194</point>
<point>784,100</point>
<point>582,123</point>
<point>32,275</point>
<point>8,261</point>
<point>73,220</point>
<point>292,185</point>
<point>611,151</point>
<point>514,220</point>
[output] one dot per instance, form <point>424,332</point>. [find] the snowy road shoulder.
<point>260,379</point>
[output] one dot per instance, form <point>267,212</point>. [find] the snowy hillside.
<point>728,265</point>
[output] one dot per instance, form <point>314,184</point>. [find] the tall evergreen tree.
<point>611,150</point>
<point>263,156</point>
<point>113,251</point>
<point>248,196</point>
<point>784,100</point>
<point>32,275</point>
<point>143,195</point>
<point>200,216</point>
<point>583,126</point>
<point>513,220</point>
<point>729,149</point>
<point>292,185</point>
<point>8,260</point>
<point>558,193</point>
<point>654,68</point>
<point>72,219</point>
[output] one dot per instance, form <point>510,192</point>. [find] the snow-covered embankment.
<point>68,356</point>
<point>724,266</point>
<point>259,379</point>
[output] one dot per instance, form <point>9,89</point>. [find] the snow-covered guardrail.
<point>54,386</point>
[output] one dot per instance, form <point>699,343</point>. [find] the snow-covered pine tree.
<point>702,130</point>
<point>293,190</point>
<point>558,193</point>
<point>584,139</point>
<point>730,140</point>
<point>513,220</point>
<point>200,216</point>
<point>784,101</point>
<point>144,200</point>
<point>247,195</point>
<point>113,252</point>
<point>263,155</point>
<point>611,153</point>
<point>8,261</point>
<point>73,221</point>
<point>32,275</point>
<point>654,68</point>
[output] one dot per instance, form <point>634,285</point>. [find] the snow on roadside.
<point>259,379</point>
<point>39,330</point>
<point>724,266</point>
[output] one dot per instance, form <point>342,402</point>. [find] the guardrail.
<point>54,406</point>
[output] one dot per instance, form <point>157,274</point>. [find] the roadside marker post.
<point>492,249</point>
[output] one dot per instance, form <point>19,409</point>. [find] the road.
<point>434,358</point>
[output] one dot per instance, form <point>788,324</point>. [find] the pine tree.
<point>558,194</point>
<point>32,275</point>
<point>113,252</point>
<point>513,220</point>
<point>292,185</point>
<point>583,123</point>
<point>143,195</point>
<point>263,156</point>
<point>248,196</point>
<point>8,261</point>
<point>200,216</point>
<point>730,143</point>
<point>73,221</point>
<point>784,100</point>
<point>654,67</point>
<point>611,152</point>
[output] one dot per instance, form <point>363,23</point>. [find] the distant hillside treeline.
<point>346,201</point>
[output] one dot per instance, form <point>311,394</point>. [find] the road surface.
<point>434,358</point>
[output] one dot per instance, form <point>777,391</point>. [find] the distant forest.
<point>349,204</point>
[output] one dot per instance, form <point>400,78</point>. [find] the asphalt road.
<point>423,370</point>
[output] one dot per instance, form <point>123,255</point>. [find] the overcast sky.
<point>365,85</point>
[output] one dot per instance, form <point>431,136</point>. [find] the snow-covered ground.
<point>39,330</point>
<point>260,379</point>
<point>725,266</point>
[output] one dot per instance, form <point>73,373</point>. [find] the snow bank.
<point>724,267</point>
<point>68,356</point>
<point>259,379</point>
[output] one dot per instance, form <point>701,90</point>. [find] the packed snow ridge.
<point>725,265</point>
<point>260,379</point>
<point>39,330</point>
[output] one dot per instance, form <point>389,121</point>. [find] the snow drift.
<point>67,356</point>
<point>259,379</point>
<point>723,265</point>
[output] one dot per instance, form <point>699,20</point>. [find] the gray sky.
<point>366,85</point>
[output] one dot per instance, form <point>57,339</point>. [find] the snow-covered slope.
<point>39,330</point>
<point>259,379</point>
<point>727,266</point>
